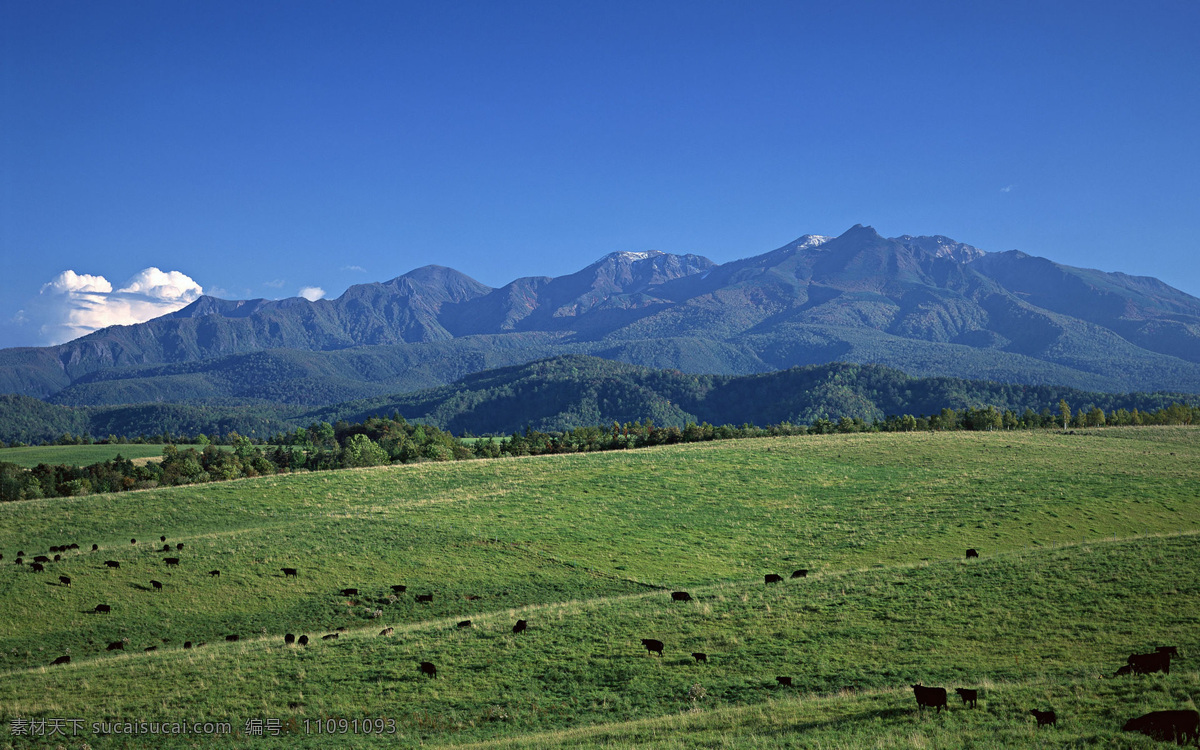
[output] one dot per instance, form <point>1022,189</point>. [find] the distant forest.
<point>564,393</point>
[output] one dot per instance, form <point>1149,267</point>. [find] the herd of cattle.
<point>1173,725</point>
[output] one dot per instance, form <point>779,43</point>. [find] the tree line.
<point>379,441</point>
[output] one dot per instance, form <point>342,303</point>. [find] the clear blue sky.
<point>259,147</point>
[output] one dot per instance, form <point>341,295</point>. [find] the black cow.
<point>784,681</point>
<point>425,598</point>
<point>653,645</point>
<point>302,640</point>
<point>464,624</point>
<point>172,562</point>
<point>349,592</point>
<point>428,669</point>
<point>116,646</point>
<point>102,608</point>
<point>215,573</point>
<point>681,596</point>
<point>231,638</point>
<point>772,578</point>
<point>399,588</point>
<point>700,656</point>
<point>156,584</point>
<point>73,545</point>
<point>133,541</point>
<point>289,572</point>
<point>972,553</point>
<point>187,644</point>
<point>162,539</point>
<point>112,564</point>
<point>95,547</point>
<point>36,567</point>
<point>1172,650</point>
<point>386,631</point>
<point>1159,661</point>
<point>289,639</point>
<point>1045,717</point>
<point>20,553</point>
<point>934,697</point>
<point>802,573</point>
<point>18,561</point>
<point>55,548</point>
<point>57,558</point>
<point>166,548</point>
<point>179,546</point>
<point>1180,725</point>
<point>968,696</point>
<point>330,637</point>
<point>41,559</point>
<point>62,660</point>
<point>520,626</point>
<point>64,580</point>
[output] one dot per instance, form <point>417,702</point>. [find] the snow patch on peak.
<point>811,240</point>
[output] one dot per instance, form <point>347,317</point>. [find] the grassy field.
<point>77,455</point>
<point>1089,545</point>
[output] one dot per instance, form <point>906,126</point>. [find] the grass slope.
<point>77,455</point>
<point>1087,544</point>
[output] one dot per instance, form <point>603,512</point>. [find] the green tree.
<point>1065,410</point>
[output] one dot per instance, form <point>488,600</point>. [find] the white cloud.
<point>277,283</point>
<point>358,269</point>
<point>312,293</point>
<point>1006,189</point>
<point>73,305</point>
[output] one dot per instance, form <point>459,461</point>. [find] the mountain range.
<point>929,306</point>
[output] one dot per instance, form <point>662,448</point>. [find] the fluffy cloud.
<point>312,293</point>
<point>72,305</point>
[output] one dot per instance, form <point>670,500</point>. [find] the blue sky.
<point>258,149</point>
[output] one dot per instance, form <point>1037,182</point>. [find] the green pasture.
<point>77,455</point>
<point>1088,544</point>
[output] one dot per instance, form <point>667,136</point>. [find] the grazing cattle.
<point>18,561</point>
<point>179,546</point>
<point>653,645</point>
<point>1178,726</point>
<point>386,631</point>
<point>302,640</point>
<point>968,696</point>
<point>172,562</point>
<point>36,567</point>
<point>1127,669</point>
<point>162,539</point>
<point>111,564</point>
<point>231,638</point>
<point>95,547</point>
<point>64,580</point>
<point>425,598</point>
<point>102,608</point>
<point>349,592</point>
<point>330,637</point>
<point>784,681</point>
<point>399,588</point>
<point>187,644</point>
<point>934,697</point>
<point>700,656</point>
<point>133,541</point>
<point>772,578</point>
<point>972,553</point>
<point>465,624</point>
<point>20,553</point>
<point>1159,661</point>
<point>289,572</point>
<point>57,558</point>
<point>681,596</point>
<point>1044,717</point>
<point>427,668</point>
<point>1172,650</point>
<point>73,545</point>
<point>54,548</point>
<point>520,626</point>
<point>289,639</point>
<point>157,585</point>
<point>116,646</point>
<point>801,573</point>
<point>41,559</point>
<point>62,660</point>
<point>215,573</point>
